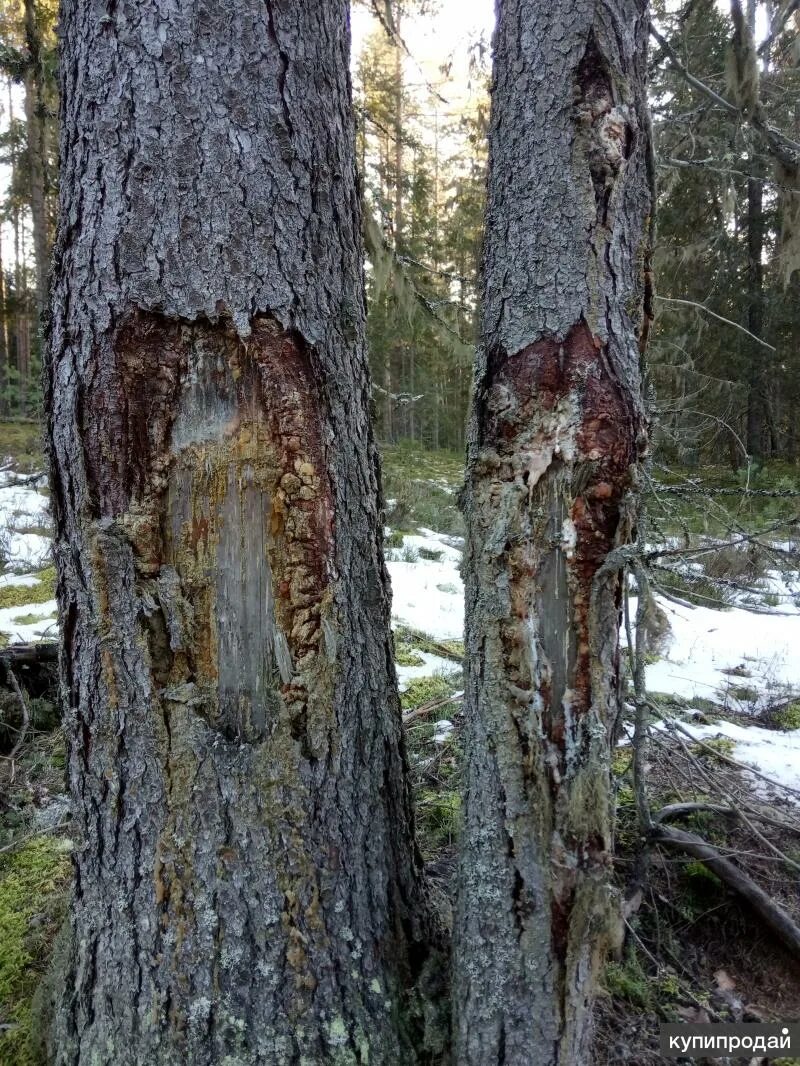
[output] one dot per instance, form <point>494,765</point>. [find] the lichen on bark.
<point>247,884</point>
<point>557,431</point>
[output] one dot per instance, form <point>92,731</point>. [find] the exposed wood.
<point>557,431</point>
<point>247,889</point>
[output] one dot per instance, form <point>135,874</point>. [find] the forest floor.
<point>723,674</point>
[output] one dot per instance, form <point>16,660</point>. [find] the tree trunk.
<point>757,394</point>
<point>399,220</point>
<point>557,431</point>
<point>3,339</point>
<point>248,890</point>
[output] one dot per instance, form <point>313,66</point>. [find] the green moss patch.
<point>33,891</point>
<point>439,816</point>
<point>405,655</point>
<point>29,619</point>
<point>21,440</point>
<point>425,690</point>
<point>788,717</point>
<point>22,595</point>
<point>628,981</point>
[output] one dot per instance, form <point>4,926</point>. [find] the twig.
<point>23,732</point>
<point>426,708</point>
<point>32,836</point>
<point>671,723</point>
<point>721,318</point>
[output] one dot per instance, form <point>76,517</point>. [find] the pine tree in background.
<point>29,144</point>
<point>728,228</point>
<point>415,152</point>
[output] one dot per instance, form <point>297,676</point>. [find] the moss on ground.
<point>23,595</point>
<point>408,459</point>
<point>788,717</point>
<point>29,619</point>
<point>627,980</point>
<point>406,655</point>
<point>21,440</point>
<point>421,486</point>
<point>425,690</point>
<point>439,817</point>
<point>33,889</point>
<point>717,749</point>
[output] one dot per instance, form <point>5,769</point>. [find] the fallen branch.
<point>426,708</point>
<point>426,643</point>
<point>26,654</point>
<point>673,811</point>
<point>771,913</point>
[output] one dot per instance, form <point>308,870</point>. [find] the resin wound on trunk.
<point>228,507</point>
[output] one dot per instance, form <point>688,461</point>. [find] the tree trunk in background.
<point>3,339</point>
<point>399,221</point>
<point>21,322</point>
<point>757,394</point>
<point>557,430</point>
<point>248,890</point>
<point>37,154</point>
<point>392,429</point>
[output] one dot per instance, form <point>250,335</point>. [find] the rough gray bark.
<point>557,430</point>
<point>248,891</point>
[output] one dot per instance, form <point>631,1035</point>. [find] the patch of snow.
<point>774,753</point>
<point>706,642</point>
<point>26,551</point>
<point>450,548</point>
<point>24,580</point>
<point>428,594</point>
<point>23,507</point>
<point>431,664</point>
<point>33,632</point>
<point>442,731</point>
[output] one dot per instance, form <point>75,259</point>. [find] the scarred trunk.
<point>247,886</point>
<point>557,431</point>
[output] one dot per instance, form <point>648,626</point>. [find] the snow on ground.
<point>428,594</point>
<point>25,580</point>
<point>431,664</point>
<point>763,650</point>
<point>443,730</point>
<point>774,753</point>
<point>25,545</point>
<point>24,523</point>
<point>27,550</point>
<point>29,632</point>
